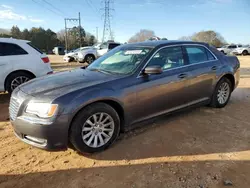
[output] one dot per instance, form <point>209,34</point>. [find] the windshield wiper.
<point>100,70</point>
<point>104,71</point>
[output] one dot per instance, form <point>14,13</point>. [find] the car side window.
<point>196,54</point>
<point>104,45</point>
<point>232,46</point>
<point>11,49</point>
<point>1,49</point>
<point>168,58</point>
<point>210,56</point>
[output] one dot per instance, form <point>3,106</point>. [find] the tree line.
<point>46,40</point>
<point>211,37</point>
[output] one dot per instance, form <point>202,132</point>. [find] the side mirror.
<point>153,70</point>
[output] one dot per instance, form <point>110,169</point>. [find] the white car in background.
<point>20,62</point>
<point>90,54</point>
<point>71,56</point>
<point>227,49</point>
<point>244,50</point>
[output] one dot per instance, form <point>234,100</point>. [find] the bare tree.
<point>142,35</point>
<point>61,35</point>
<point>186,38</point>
<point>210,37</point>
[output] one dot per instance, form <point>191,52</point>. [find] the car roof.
<point>163,43</point>
<point>13,40</point>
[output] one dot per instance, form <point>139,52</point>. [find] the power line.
<point>53,7</point>
<point>89,2</point>
<point>47,8</point>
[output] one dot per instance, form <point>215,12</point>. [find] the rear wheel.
<point>16,79</point>
<point>223,52</point>
<point>222,93</point>
<point>245,52</point>
<point>95,128</point>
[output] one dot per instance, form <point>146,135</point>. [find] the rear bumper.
<point>53,137</point>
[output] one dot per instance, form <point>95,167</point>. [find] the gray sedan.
<point>89,107</point>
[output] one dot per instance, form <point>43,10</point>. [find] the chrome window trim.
<point>216,59</point>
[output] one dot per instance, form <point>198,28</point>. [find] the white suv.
<point>90,54</point>
<point>227,49</point>
<point>20,62</point>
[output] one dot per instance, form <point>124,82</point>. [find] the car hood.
<point>64,82</point>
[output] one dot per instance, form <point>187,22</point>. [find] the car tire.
<point>87,132</point>
<point>222,93</point>
<point>89,59</point>
<point>222,52</point>
<point>245,52</point>
<point>16,79</point>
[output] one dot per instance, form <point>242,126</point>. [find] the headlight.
<point>44,110</point>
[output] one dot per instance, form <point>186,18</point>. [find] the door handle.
<point>181,76</point>
<point>214,68</point>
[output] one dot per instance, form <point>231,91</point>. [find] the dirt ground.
<point>203,147</point>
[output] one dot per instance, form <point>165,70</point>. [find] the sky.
<point>167,18</point>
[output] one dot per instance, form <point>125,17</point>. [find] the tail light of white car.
<point>45,59</point>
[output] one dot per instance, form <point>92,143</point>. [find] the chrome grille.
<point>13,108</point>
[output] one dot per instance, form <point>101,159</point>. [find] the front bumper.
<point>53,137</point>
<point>80,59</point>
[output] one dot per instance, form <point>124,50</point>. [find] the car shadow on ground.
<point>207,173</point>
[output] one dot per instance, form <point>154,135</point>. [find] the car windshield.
<point>96,45</point>
<point>121,60</point>
<point>76,50</point>
<point>246,46</point>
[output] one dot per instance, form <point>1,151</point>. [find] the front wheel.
<point>95,128</point>
<point>89,59</point>
<point>222,93</point>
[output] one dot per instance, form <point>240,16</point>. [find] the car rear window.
<point>32,46</point>
<point>11,49</point>
<point>113,45</point>
<point>197,54</point>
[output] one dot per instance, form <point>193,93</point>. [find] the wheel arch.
<point>113,103</point>
<point>16,71</point>
<point>92,54</point>
<point>230,77</point>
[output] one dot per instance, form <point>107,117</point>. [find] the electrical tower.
<point>67,28</point>
<point>107,32</point>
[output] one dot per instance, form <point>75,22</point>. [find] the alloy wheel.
<point>90,59</point>
<point>18,81</point>
<point>98,130</point>
<point>223,93</point>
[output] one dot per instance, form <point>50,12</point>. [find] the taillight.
<point>45,59</point>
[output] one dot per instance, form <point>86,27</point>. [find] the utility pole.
<point>66,37</point>
<point>97,34</point>
<point>107,32</point>
<point>80,30</point>
<point>66,20</point>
